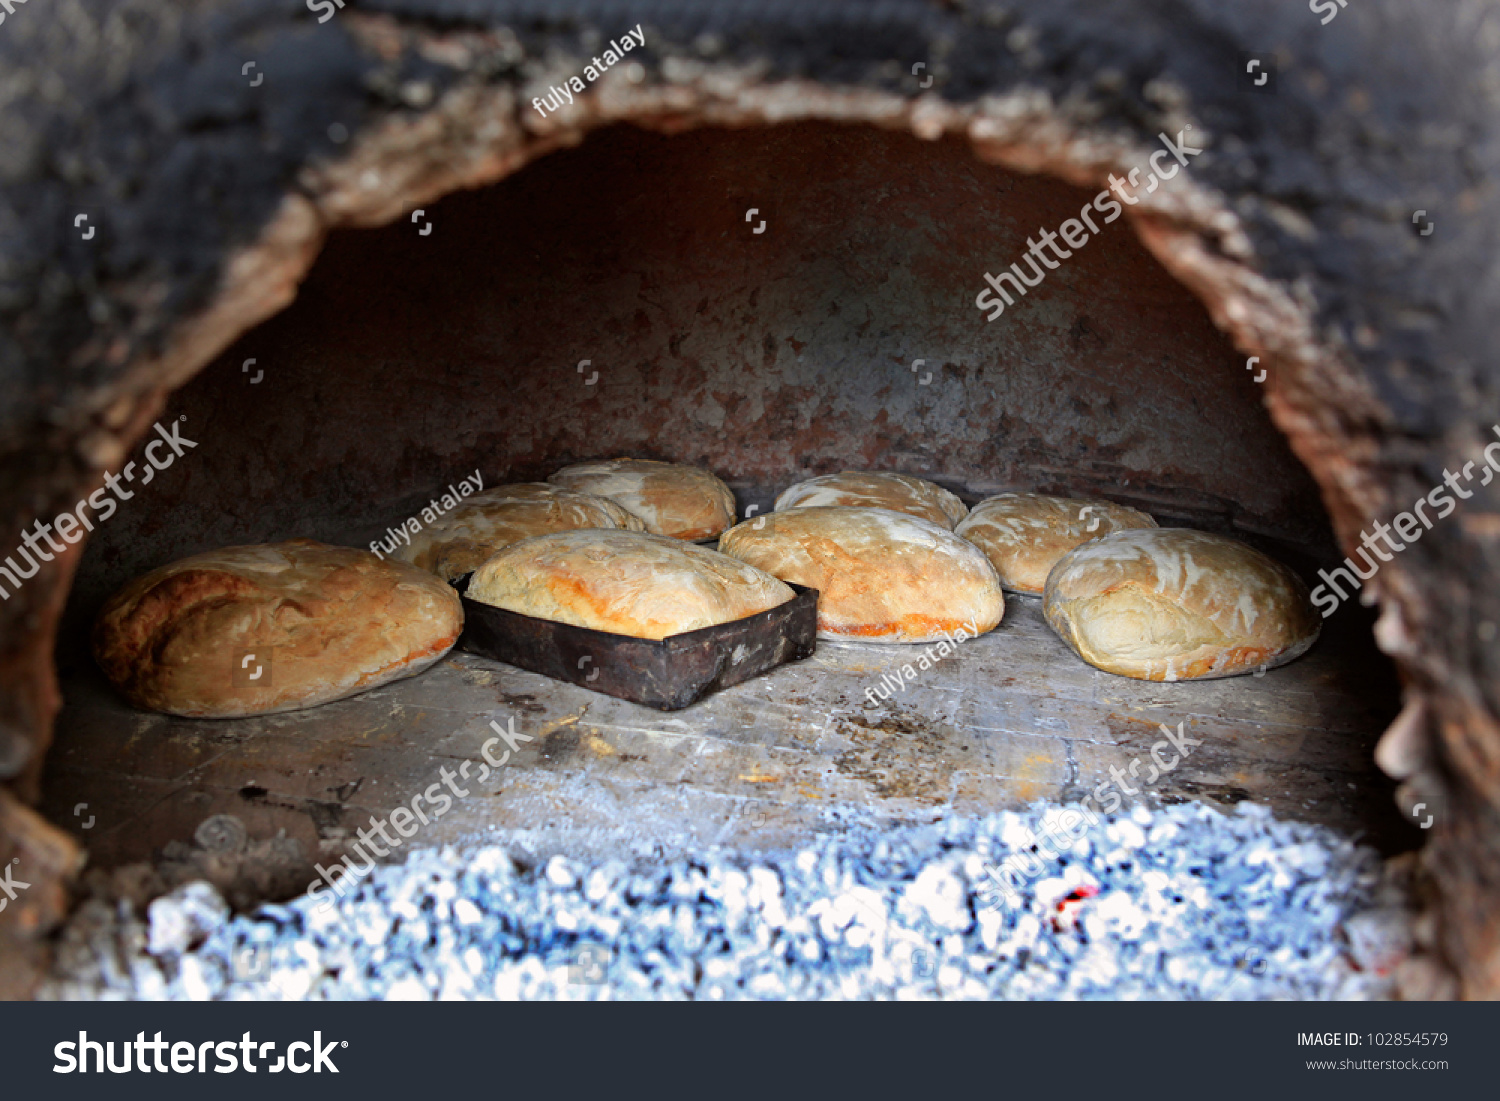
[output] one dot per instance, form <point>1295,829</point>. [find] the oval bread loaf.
<point>272,627</point>
<point>1172,604</point>
<point>882,575</point>
<point>459,541</point>
<point>629,583</point>
<point>546,491</point>
<point>876,489</point>
<point>1024,534</point>
<point>683,502</point>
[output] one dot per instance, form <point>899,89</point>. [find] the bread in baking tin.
<point>625,582</point>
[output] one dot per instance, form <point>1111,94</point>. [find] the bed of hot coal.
<point>1182,903</point>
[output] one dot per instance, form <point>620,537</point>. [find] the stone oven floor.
<point>1007,719</point>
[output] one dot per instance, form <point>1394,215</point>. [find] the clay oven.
<point>756,245</point>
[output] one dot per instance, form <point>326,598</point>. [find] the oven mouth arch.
<point>1195,237</point>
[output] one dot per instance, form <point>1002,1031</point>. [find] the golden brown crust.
<point>1173,604</point>
<point>882,575</point>
<point>683,502</point>
<point>628,583</point>
<point>459,541</point>
<point>1024,534</point>
<point>333,621</point>
<point>545,491</point>
<point>876,489</point>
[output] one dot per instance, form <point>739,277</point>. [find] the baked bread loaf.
<point>272,627</point>
<point>546,491</point>
<point>882,575</point>
<point>1173,604</point>
<point>876,489</point>
<point>459,541</point>
<point>1024,534</point>
<point>684,502</point>
<point>625,582</point>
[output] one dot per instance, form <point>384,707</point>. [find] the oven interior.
<point>769,304</point>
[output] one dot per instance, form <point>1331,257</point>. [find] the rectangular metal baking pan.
<point>667,674</point>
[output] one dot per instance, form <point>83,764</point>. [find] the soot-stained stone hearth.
<point>211,196</point>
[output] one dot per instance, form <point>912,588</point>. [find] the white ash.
<point>1191,904</point>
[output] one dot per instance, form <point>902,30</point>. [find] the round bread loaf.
<point>876,489</point>
<point>626,582</point>
<point>882,575</point>
<point>546,491</point>
<point>459,541</point>
<point>1173,604</point>
<point>684,502</point>
<point>1024,534</point>
<point>272,627</point>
